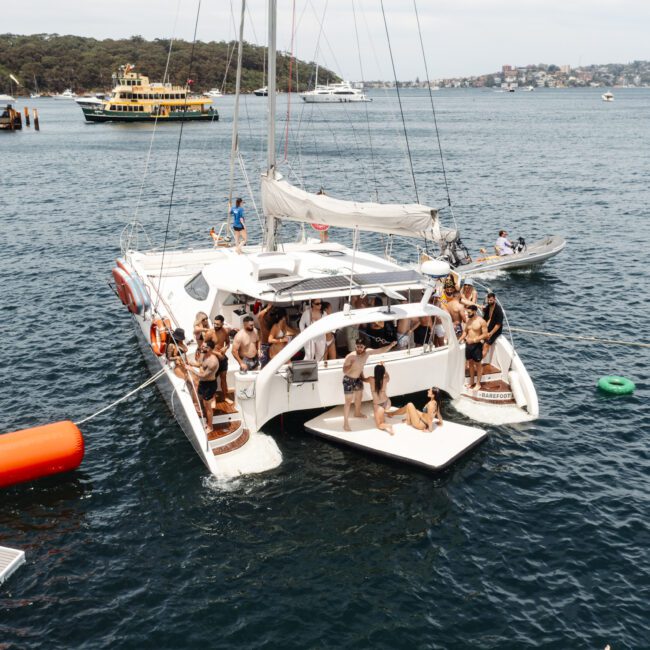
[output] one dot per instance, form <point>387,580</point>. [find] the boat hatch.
<point>273,266</point>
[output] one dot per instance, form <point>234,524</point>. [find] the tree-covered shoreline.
<point>86,64</point>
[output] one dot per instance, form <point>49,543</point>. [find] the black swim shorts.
<point>494,337</point>
<point>352,384</point>
<point>238,228</point>
<point>473,351</point>
<point>207,389</point>
<point>223,365</point>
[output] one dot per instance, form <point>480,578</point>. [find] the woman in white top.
<point>316,348</point>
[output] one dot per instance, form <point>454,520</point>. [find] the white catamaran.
<point>165,290</point>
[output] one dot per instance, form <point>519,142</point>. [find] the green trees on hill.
<point>86,64</point>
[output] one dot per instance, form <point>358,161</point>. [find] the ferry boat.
<point>135,99</point>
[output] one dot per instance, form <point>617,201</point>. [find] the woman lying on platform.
<point>421,420</point>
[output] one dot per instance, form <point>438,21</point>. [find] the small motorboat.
<point>261,92</point>
<point>525,255</point>
<point>607,97</point>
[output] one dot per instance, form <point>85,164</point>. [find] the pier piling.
<point>26,116</point>
<point>36,126</point>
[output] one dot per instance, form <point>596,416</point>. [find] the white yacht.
<point>334,94</point>
<point>90,101</point>
<point>165,290</point>
<point>66,94</point>
<point>7,98</point>
<point>214,92</point>
<point>261,92</point>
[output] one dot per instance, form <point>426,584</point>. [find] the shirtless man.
<point>207,387</point>
<point>246,346</point>
<point>221,337</point>
<point>475,333</point>
<point>353,378</point>
<point>456,311</point>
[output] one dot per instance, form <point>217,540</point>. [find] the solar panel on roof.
<point>386,277</point>
<point>327,282</point>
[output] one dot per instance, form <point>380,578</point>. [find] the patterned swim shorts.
<point>352,384</point>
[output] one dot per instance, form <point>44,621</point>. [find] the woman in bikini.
<point>280,333</point>
<point>380,400</point>
<point>330,337</point>
<point>423,420</point>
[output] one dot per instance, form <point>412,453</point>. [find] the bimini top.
<point>282,200</point>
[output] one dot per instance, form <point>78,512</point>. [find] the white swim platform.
<point>434,450</point>
<point>10,560</point>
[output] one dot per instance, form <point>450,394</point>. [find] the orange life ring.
<point>158,334</point>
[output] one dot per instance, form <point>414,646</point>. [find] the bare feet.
<point>363,416</point>
<point>476,387</point>
<point>389,429</point>
<point>346,427</point>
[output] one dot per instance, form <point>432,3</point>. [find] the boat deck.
<point>434,450</point>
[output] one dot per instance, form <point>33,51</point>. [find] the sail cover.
<point>282,200</point>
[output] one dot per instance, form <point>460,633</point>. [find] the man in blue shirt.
<point>238,225</point>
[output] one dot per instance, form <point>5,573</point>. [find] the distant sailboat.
<point>35,94</point>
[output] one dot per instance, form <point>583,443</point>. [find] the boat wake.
<point>491,413</point>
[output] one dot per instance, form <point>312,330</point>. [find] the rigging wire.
<point>363,81</point>
<point>153,134</point>
<point>178,154</point>
<point>433,110</point>
<point>399,99</point>
<point>293,35</point>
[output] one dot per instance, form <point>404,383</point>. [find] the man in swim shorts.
<point>246,346</point>
<point>474,335</point>
<point>353,378</point>
<point>456,311</point>
<point>207,375</point>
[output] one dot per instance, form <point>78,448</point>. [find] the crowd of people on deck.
<point>269,328</point>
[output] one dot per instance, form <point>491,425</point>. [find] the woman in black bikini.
<point>421,420</point>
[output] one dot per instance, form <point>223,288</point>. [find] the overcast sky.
<point>462,37</point>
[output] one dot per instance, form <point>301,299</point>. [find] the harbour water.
<point>538,538</point>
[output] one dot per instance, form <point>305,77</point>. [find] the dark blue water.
<point>539,538</point>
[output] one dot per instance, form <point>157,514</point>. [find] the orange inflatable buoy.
<point>158,334</point>
<point>32,453</point>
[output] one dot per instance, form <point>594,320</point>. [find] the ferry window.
<point>197,287</point>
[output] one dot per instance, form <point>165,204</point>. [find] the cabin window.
<point>197,287</point>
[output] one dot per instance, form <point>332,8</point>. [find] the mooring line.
<point>149,381</point>
<point>577,337</point>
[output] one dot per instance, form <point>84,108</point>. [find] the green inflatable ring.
<point>616,385</point>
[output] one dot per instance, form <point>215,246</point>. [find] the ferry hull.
<point>114,116</point>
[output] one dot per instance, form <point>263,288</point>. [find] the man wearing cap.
<point>238,225</point>
<point>474,335</point>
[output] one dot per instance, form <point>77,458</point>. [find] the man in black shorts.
<point>222,337</point>
<point>474,334</point>
<point>494,316</point>
<point>208,381</point>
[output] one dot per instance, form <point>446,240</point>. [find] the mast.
<point>270,171</point>
<point>234,147</point>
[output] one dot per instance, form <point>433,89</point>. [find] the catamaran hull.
<point>168,392</point>
<point>535,254</point>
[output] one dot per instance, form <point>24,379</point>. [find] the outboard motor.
<point>454,251</point>
<point>520,246</point>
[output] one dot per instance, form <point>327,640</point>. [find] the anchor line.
<point>149,381</point>
<point>577,337</point>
